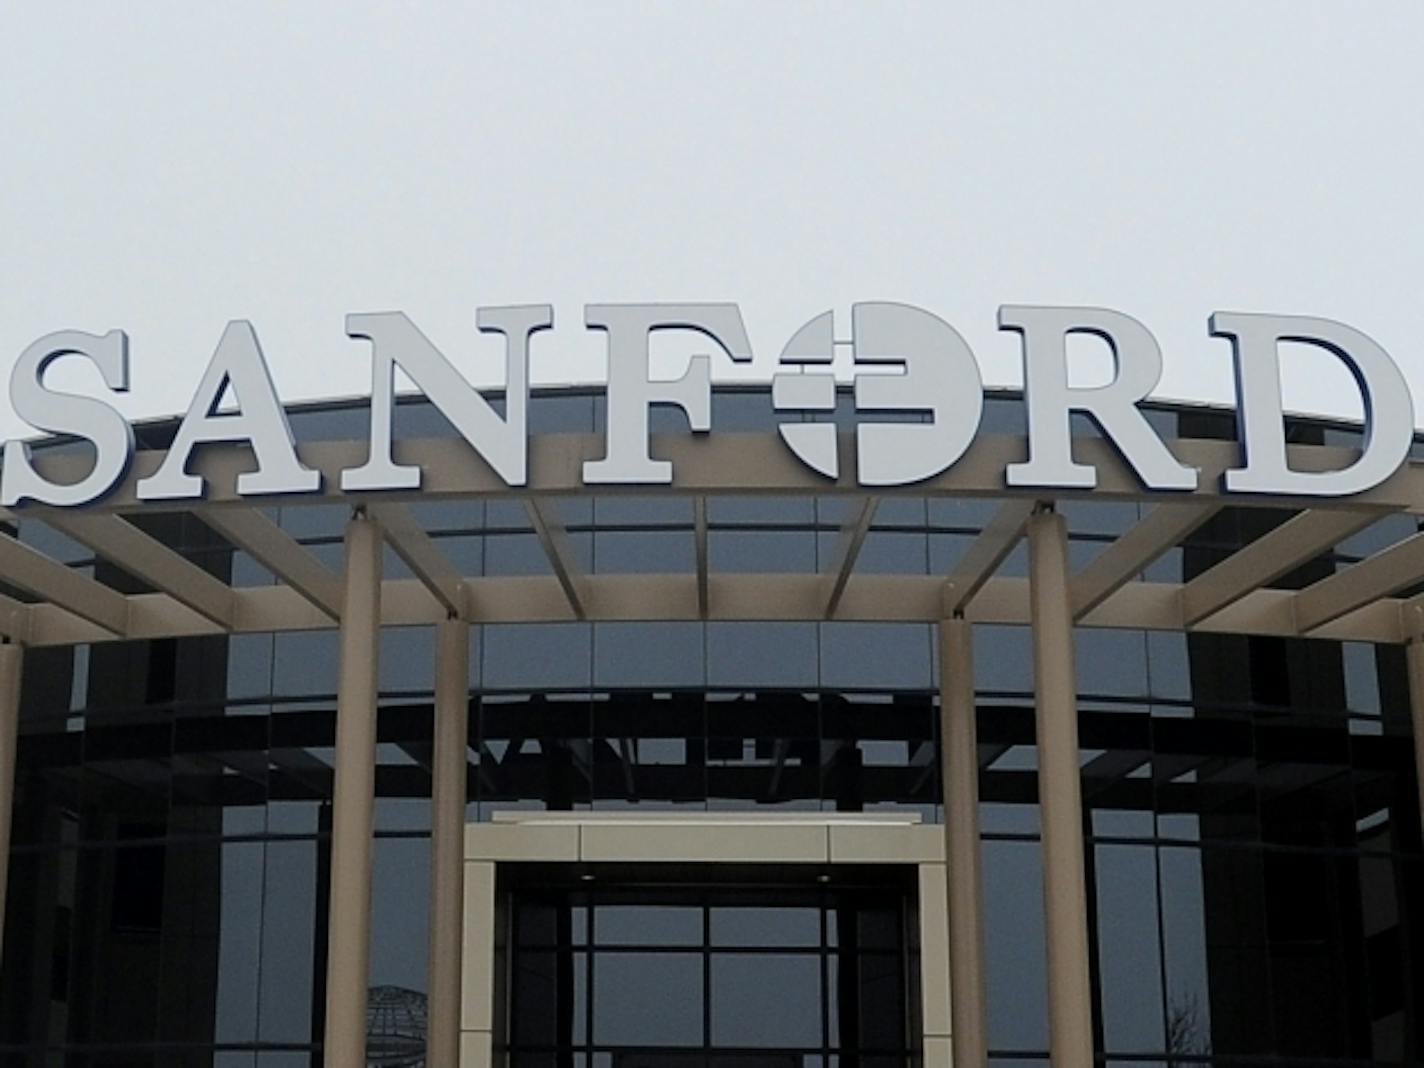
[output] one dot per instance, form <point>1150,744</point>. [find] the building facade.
<point>744,774</point>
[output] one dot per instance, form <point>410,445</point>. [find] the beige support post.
<point>1414,654</point>
<point>1070,1015</point>
<point>12,659</point>
<point>959,764</point>
<point>447,844</point>
<point>348,947</point>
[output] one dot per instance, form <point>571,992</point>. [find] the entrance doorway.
<point>636,968</point>
<point>705,940</point>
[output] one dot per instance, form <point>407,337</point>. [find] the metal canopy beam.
<point>560,551</point>
<point>149,560</point>
<point>14,619</point>
<point>664,598</point>
<point>1380,575</point>
<point>276,550</point>
<point>1275,553</point>
<point>1159,531</point>
<point>983,558</point>
<point>420,553</point>
<point>33,571</point>
<point>1232,597</point>
<point>699,530</point>
<point>852,537</point>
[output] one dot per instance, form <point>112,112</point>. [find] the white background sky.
<point>170,166</point>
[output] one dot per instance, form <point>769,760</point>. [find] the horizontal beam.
<point>1279,551</point>
<point>852,537</point>
<point>14,619</point>
<point>742,597</point>
<point>420,553</point>
<point>276,550</point>
<point>560,551</point>
<point>986,553</point>
<point>1384,573</point>
<point>149,560</point>
<point>1159,531</point>
<point>699,531</point>
<point>64,587</point>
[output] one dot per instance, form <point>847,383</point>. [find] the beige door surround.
<point>693,838</point>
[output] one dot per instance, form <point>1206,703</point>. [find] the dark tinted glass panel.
<point>801,971</point>
<point>765,1000</point>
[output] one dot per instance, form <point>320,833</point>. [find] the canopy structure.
<point>1368,600</point>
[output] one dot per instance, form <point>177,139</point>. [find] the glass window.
<point>1129,961</point>
<point>1003,659</point>
<point>644,552</point>
<point>763,1000</point>
<point>728,968</point>
<point>648,655</point>
<point>400,913</point>
<point>756,655</point>
<point>874,656</point>
<point>1016,968</point>
<point>749,551</point>
<point>647,999</point>
<point>293,919</point>
<point>407,659</point>
<point>524,655</point>
<point>306,663</point>
<point>765,925</point>
<point>1110,662</point>
<point>647,925</point>
<point>249,666</point>
<point>649,750</point>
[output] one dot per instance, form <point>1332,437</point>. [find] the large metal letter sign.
<point>259,421</point>
<point>809,390</point>
<point>1389,414</point>
<point>396,342</point>
<point>940,377</point>
<point>925,366</point>
<point>1050,400</point>
<point>631,393</point>
<point>907,362</point>
<point>66,413</point>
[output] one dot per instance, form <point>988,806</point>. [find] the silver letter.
<point>259,421</point>
<point>631,394</point>
<point>1389,413</point>
<point>808,389</point>
<point>68,413</point>
<point>940,376</point>
<point>397,342</point>
<point>1049,399</point>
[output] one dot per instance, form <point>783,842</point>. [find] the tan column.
<point>348,948</point>
<point>1414,654</point>
<point>1070,1014</point>
<point>447,843</point>
<point>959,765</point>
<point>12,658</point>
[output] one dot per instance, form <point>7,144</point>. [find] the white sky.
<point>170,166</point>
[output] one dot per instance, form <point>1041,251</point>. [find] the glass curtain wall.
<point>1250,805</point>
